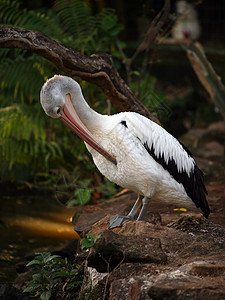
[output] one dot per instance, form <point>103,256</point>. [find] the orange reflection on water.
<point>43,227</point>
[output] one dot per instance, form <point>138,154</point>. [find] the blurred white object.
<point>187,25</point>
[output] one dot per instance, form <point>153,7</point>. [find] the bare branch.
<point>206,74</point>
<point>154,29</point>
<point>97,69</point>
<point>151,35</point>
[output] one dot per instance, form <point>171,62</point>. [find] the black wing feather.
<point>193,183</point>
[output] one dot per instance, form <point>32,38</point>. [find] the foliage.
<point>72,189</point>
<point>20,127</point>
<point>89,241</point>
<point>106,189</point>
<point>52,274</point>
<point>92,33</point>
<point>153,100</point>
<point>30,142</point>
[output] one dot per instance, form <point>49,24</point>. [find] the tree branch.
<point>153,30</point>
<point>152,33</point>
<point>206,75</point>
<point>97,69</point>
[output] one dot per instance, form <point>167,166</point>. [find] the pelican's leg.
<point>119,220</point>
<point>136,207</point>
<point>146,202</point>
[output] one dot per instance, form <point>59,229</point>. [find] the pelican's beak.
<point>71,119</point>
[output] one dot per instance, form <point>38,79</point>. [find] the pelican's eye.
<point>58,110</point>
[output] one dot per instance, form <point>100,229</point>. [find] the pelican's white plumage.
<point>136,169</point>
<point>129,149</point>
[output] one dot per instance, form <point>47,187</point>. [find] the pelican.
<point>130,150</point>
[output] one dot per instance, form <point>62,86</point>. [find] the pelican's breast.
<point>135,169</point>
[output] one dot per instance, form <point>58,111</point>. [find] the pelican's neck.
<point>88,116</point>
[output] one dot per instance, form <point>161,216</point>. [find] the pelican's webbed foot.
<point>118,221</point>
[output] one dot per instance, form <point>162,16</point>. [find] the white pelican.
<point>129,149</point>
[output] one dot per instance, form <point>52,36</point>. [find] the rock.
<point>93,213</point>
<point>93,285</point>
<point>189,233</point>
<point>208,142</point>
<point>192,138</point>
<point>153,218</point>
<point>217,127</point>
<point>204,269</point>
<point>9,292</point>
<point>95,276</point>
<point>199,226</point>
<point>185,283</point>
<point>212,149</point>
<point>182,283</point>
<point>69,251</point>
<point>127,282</point>
<point>21,267</point>
<point>127,288</point>
<point>183,260</point>
<point>113,249</point>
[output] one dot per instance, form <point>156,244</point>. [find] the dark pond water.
<point>29,224</point>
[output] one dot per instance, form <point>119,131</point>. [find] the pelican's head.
<point>56,101</point>
<point>55,94</point>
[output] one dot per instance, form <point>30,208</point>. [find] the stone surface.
<point>95,276</point>
<point>218,127</point>
<point>90,214</point>
<point>197,280</point>
<point>195,266</point>
<point>112,249</point>
<point>186,283</point>
<point>194,246</point>
<point>212,149</point>
<point>9,292</point>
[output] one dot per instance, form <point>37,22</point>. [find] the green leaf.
<point>89,241</point>
<point>31,286</point>
<point>90,235</point>
<point>60,275</point>
<point>71,203</point>
<point>137,73</point>
<point>36,277</point>
<point>73,272</point>
<point>98,237</point>
<point>86,243</point>
<point>74,284</point>
<point>45,295</point>
<point>50,258</point>
<point>34,262</point>
<point>83,196</point>
<point>109,22</point>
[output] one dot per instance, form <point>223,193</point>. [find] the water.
<point>30,224</point>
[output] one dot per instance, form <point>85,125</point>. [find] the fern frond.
<point>11,14</point>
<point>89,33</point>
<point>25,75</point>
<point>23,137</point>
<point>28,139</point>
<point>9,11</point>
<point>75,16</point>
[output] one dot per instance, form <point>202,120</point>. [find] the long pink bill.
<point>71,119</point>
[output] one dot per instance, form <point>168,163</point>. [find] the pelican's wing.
<point>172,155</point>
